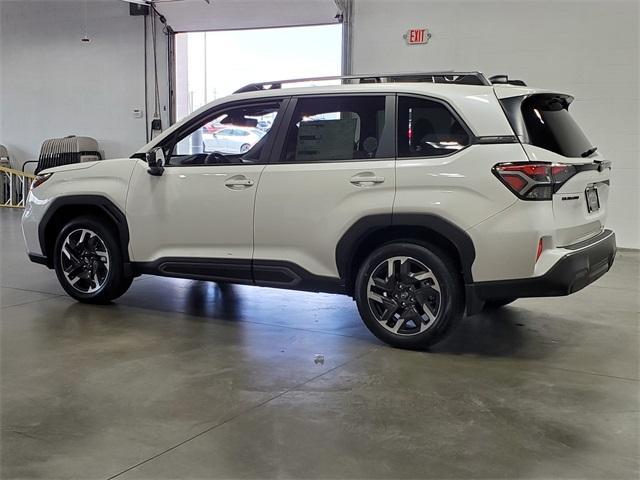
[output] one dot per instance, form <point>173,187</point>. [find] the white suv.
<point>422,196</point>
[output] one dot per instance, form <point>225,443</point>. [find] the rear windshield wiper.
<point>589,152</point>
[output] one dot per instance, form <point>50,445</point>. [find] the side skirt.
<point>264,273</point>
<point>211,269</point>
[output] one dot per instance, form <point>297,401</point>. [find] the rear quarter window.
<point>427,129</point>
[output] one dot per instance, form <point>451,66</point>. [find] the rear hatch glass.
<point>543,120</point>
<point>550,126</point>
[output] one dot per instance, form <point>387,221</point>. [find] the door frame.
<point>215,267</point>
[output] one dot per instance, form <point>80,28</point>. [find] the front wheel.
<point>88,261</point>
<point>409,295</point>
<point>245,147</point>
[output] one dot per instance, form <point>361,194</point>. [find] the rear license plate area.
<point>593,201</point>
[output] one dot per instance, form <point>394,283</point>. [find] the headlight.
<point>40,179</point>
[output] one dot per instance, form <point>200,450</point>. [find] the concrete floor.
<point>182,379</point>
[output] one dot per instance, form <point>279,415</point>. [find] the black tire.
<point>498,303</point>
<point>245,147</point>
<point>124,286</point>
<point>450,299</point>
<point>113,283</point>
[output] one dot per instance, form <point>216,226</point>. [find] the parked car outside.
<point>264,125</point>
<point>212,127</point>
<point>231,139</point>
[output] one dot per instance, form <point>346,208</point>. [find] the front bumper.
<point>583,264</point>
<point>34,211</point>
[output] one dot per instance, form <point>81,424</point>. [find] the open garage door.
<point>213,64</point>
<point>203,15</point>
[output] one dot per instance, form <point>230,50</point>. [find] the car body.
<point>231,139</point>
<point>421,200</point>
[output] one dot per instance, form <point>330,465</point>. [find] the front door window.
<point>234,136</point>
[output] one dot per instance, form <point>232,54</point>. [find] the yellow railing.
<point>14,187</point>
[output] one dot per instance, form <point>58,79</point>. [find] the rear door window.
<point>325,129</point>
<point>427,128</point>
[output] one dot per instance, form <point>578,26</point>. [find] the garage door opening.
<point>210,65</point>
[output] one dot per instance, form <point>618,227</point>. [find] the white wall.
<point>587,48</point>
<point>52,84</point>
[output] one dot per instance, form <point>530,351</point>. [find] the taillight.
<point>534,181</point>
<point>540,248</point>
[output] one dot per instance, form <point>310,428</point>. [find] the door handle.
<point>238,182</point>
<point>366,179</point>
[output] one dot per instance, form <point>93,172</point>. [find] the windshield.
<point>546,123</point>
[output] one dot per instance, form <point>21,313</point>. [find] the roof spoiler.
<point>504,80</point>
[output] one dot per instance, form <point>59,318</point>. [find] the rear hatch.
<point>549,134</point>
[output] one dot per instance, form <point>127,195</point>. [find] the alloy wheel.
<point>85,260</point>
<point>404,295</point>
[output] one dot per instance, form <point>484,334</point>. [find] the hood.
<point>71,166</point>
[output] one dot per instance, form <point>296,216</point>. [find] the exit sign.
<point>417,36</point>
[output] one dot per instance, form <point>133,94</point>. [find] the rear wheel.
<point>245,147</point>
<point>408,295</point>
<point>88,261</point>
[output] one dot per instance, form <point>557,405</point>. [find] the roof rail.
<point>464,78</point>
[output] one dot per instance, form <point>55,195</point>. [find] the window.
<point>427,129</point>
<point>325,129</point>
<point>228,137</point>
<point>549,125</point>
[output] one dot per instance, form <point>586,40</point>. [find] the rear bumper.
<point>584,263</point>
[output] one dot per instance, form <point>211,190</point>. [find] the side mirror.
<point>155,160</point>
